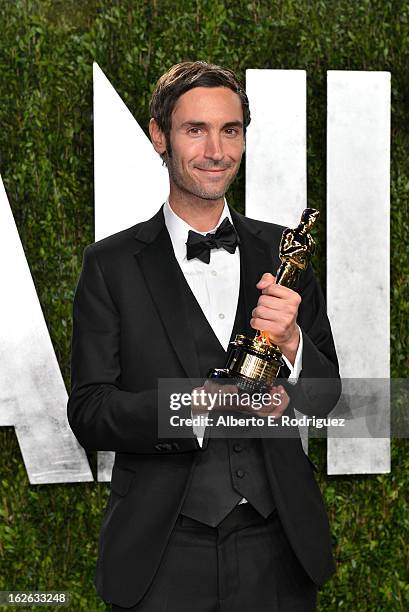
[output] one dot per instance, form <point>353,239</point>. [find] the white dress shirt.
<point>215,286</point>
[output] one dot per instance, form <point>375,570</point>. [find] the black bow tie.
<point>199,246</point>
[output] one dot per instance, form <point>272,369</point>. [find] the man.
<point>198,523</point>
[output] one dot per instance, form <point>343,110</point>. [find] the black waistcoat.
<point>228,469</point>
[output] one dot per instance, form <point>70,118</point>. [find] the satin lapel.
<point>255,259</point>
<point>164,278</point>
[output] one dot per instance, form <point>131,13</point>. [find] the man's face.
<point>207,141</point>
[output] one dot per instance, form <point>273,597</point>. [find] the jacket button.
<point>237,448</point>
<point>240,473</point>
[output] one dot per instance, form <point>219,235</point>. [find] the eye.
<point>195,131</point>
<point>231,131</point>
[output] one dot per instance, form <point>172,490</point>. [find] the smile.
<point>214,171</point>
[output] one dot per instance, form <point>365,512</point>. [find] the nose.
<point>214,147</point>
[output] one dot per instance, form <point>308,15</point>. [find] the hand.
<point>279,401</point>
<point>276,313</point>
<point>213,396</point>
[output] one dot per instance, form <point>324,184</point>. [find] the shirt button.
<point>237,448</point>
<point>214,273</point>
<point>240,473</point>
<point>221,315</point>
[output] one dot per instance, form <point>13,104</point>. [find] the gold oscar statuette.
<point>256,362</point>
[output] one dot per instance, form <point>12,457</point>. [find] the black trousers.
<point>245,564</point>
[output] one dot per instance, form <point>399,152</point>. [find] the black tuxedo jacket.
<point>131,327</point>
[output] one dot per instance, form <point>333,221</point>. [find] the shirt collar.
<point>179,229</point>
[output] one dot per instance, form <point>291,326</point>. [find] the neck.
<point>203,215</point>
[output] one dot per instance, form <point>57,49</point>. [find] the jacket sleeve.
<point>101,415</point>
<point>319,387</point>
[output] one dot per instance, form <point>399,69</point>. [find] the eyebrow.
<point>204,124</point>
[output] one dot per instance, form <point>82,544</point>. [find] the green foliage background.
<point>48,533</point>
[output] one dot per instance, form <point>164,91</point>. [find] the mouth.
<point>213,171</point>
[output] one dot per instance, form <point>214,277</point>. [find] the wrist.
<point>289,348</point>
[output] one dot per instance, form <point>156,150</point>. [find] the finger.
<point>275,315</point>
<point>266,279</point>
<point>214,386</point>
<point>281,292</point>
<point>269,301</point>
<point>277,394</point>
<point>284,400</point>
<point>278,391</point>
<point>278,398</point>
<point>229,389</point>
<point>291,300</point>
<point>276,329</point>
<point>273,303</point>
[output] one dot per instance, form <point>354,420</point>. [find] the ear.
<point>157,137</point>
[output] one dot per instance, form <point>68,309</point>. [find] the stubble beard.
<point>188,185</point>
